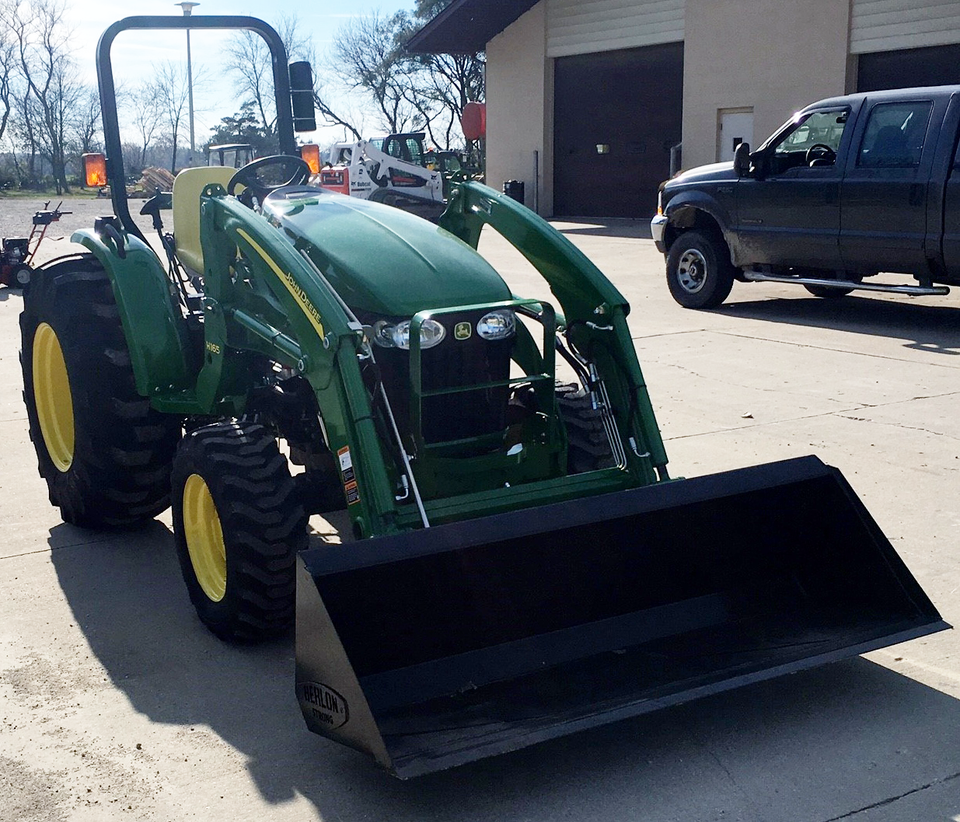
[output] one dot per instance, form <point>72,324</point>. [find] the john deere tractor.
<point>518,563</point>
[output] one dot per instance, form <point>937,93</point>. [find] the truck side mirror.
<point>741,160</point>
<point>301,94</point>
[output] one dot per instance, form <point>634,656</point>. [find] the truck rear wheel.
<point>699,271</point>
<point>104,453</point>
<point>238,524</point>
<point>829,293</point>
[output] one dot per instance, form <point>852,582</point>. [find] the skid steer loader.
<point>522,564</point>
<point>388,170</point>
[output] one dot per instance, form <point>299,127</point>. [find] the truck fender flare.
<point>681,210</point>
<point>152,321</point>
<point>695,209</point>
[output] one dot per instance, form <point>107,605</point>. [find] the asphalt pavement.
<point>115,703</point>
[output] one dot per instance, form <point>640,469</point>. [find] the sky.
<point>134,53</point>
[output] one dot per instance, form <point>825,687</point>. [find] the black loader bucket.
<point>441,646</point>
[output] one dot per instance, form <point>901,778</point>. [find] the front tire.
<point>238,524</point>
<point>699,271</point>
<point>588,448</point>
<point>104,453</point>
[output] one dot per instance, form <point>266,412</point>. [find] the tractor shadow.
<point>931,328</point>
<point>813,746</point>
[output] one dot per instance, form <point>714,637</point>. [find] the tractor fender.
<point>152,322</point>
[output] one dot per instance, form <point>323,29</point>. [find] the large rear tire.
<point>238,523</point>
<point>104,453</point>
<point>699,271</point>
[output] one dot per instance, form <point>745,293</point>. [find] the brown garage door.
<point>933,66</point>
<point>616,116</point>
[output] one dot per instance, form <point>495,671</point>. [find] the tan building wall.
<point>520,108</point>
<point>769,55</point>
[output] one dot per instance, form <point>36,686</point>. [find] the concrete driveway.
<point>115,703</point>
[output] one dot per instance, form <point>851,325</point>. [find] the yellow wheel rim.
<point>201,528</point>
<point>51,392</point>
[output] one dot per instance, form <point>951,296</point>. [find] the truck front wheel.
<point>699,271</point>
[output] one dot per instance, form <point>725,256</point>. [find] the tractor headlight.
<point>497,325</point>
<point>389,335</point>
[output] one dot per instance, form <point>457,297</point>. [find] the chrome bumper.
<point>657,226</point>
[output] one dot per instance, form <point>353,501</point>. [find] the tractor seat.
<point>188,185</point>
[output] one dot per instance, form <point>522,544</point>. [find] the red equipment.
<point>17,254</point>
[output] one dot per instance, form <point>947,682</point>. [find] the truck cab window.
<point>894,134</point>
<point>812,142</point>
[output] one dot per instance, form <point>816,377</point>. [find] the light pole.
<point>188,7</point>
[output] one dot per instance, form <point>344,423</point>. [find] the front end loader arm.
<point>594,310</point>
<point>262,296</point>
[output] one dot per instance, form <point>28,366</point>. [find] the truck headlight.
<point>389,335</point>
<point>497,325</point>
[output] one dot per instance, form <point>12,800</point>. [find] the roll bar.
<point>108,92</point>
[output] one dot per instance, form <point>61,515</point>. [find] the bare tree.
<point>452,80</point>
<point>350,120</point>
<point>372,60</point>
<point>40,40</point>
<point>172,91</point>
<point>249,64</point>
<point>85,122</point>
<point>146,112</point>
<point>7,67</point>
<point>411,91</point>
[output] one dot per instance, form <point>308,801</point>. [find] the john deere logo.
<point>462,331</point>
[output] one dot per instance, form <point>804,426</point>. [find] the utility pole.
<point>188,8</point>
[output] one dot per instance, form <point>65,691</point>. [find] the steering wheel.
<point>293,169</point>
<point>820,151</point>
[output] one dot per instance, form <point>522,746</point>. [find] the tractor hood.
<point>380,259</point>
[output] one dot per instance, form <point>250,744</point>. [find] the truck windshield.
<point>817,128</point>
<point>810,142</point>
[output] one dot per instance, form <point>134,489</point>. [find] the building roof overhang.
<point>466,26</point>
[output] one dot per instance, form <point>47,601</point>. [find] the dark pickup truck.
<point>847,188</point>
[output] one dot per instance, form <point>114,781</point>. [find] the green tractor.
<point>518,563</point>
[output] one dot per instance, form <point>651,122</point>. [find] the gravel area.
<point>16,219</point>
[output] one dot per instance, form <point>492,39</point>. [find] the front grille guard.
<point>542,381</point>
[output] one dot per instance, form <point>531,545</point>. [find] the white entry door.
<point>736,126</point>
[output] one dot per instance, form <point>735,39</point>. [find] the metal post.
<point>187,9</point>
<point>536,181</point>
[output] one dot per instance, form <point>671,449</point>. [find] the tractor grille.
<point>452,364</point>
